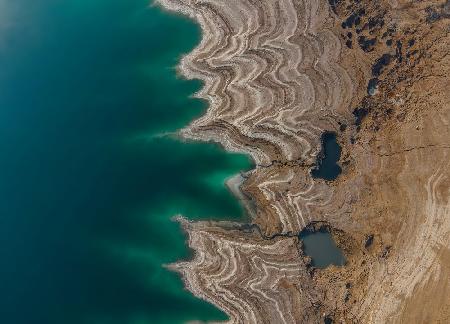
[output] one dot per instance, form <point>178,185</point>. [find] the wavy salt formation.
<point>274,83</point>
<point>279,73</point>
<point>242,272</point>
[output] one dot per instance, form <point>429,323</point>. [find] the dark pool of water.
<point>327,168</point>
<point>322,249</point>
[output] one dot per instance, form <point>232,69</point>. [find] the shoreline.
<point>279,74</point>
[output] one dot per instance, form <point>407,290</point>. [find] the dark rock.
<point>366,44</point>
<point>398,52</point>
<point>354,19</point>
<point>369,241</point>
<point>347,297</point>
<point>445,11</point>
<point>328,320</point>
<point>334,4</point>
<point>391,30</point>
<point>376,22</point>
<point>372,86</point>
<point>359,114</point>
<point>380,63</point>
<point>432,15</point>
<point>385,252</point>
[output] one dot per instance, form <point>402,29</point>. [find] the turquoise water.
<point>86,188</point>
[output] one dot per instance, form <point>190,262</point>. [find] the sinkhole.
<point>327,163</point>
<point>320,246</point>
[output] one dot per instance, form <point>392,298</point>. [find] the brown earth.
<point>279,73</point>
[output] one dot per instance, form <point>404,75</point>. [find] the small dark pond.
<point>327,167</point>
<point>322,249</point>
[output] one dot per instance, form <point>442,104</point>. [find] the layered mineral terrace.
<point>278,74</point>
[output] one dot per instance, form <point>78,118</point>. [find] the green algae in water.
<point>87,188</point>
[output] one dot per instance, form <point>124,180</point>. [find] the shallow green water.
<point>86,188</point>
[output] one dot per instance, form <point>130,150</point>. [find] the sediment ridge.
<point>278,74</point>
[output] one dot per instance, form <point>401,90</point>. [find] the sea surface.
<point>87,185</point>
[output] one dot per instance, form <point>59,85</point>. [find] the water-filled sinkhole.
<point>320,246</point>
<point>327,167</point>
